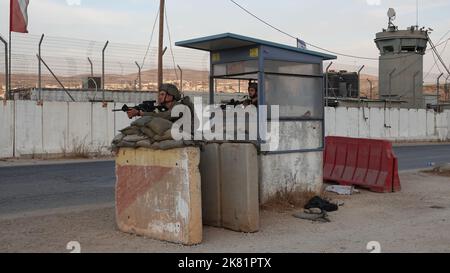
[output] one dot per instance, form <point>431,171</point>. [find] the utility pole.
<point>161,43</point>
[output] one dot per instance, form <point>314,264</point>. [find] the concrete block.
<point>102,124</point>
<point>296,135</point>
<point>341,121</point>
<point>417,123</point>
<point>393,117</point>
<point>352,122</point>
<point>377,121</point>
<point>239,172</point>
<point>79,125</point>
<point>299,172</point>
<point>441,126</point>
<point>330,121</point>
<point>404,123</point>
<point>55,127</point>
<point>448,124</point>
<point>211,185</point>
<point>28,136</point>
<point>431,123</point>
<point>363,122</point>
<point>158,194</point>
<point>6,129</point>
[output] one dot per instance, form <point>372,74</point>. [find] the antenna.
<point>391,14</point>
<point>417,14</point>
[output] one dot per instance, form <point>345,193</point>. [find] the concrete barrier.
<point>289,172</point>
<point>158,194</point>
<point>27,130</point>
<point>79,122</point>
<point>55,127</point>
<point>239,189</point>
<point>28,133</point>
<point>6,129</point>
<point>211,185</point>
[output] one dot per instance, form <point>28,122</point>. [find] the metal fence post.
<point>139,76</point>
<point>438,88</point>
<point>40,69</point>
<point>103,69</point>
<point>92,66</point>
<point>446,88</point>
<point>370,88</point>
<point>7,89</point>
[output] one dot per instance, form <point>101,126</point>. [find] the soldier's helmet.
<point>253,85</point>
<point>171,90</point>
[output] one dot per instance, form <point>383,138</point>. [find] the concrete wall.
<point>289,173</point>
<point>390,124</point>
<point>6,129</point>
<point>28,129</point>
<point>58,127</point>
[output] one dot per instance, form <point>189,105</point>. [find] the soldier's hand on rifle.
<point>134,113</point>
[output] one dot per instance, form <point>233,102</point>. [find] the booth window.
<point>235,68</point>
<point>294,68</point>
<point>298,97</point>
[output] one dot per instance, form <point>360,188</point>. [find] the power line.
<point>318,47</point>
<point>293,37</point>
<point>151,38</point>
<point>170,44</point>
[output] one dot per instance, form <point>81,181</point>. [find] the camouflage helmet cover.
<point>171,90</point>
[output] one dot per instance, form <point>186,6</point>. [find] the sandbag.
<point>118,138</point>
<point>167,144</point>
<point>134,138</point>
<point>166,136</point>
<point>148,132</point>
<point>144,143</point>
<point>131,130</point>
<point>141,122</point>
<point>126,144</point>
<point>159,125</point>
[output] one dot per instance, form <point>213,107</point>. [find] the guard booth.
<point>289,77</point>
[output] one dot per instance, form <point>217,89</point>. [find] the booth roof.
<point>230,40</point>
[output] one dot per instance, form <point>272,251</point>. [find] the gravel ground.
<point>417,219</point>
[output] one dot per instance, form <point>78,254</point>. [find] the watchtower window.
<point>388,49</point>
<point>408,48</point>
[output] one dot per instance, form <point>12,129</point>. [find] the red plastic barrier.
<point>364,162</point>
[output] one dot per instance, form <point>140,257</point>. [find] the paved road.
<point>418,157</point>
<point>28,188</point>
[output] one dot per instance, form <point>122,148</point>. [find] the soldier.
<point>168,97</point>
<point>252,94</point>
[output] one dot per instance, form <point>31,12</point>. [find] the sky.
<point>346,26</point>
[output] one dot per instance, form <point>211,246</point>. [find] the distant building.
<point>401,64</point>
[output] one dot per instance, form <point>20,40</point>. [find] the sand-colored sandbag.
<point>141,122</point>
<point>134,138</point>
<point>126,144</point>
<point>118,138</point>
<point>166,136</point>
<point>144,143</point>
<point>131,130</point>
<point>148,132</point>
<point>159,125</point>
<point>167,145</point>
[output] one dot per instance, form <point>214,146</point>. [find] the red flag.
<point>18,16</point>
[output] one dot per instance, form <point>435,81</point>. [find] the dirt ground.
<point>417,219</point>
